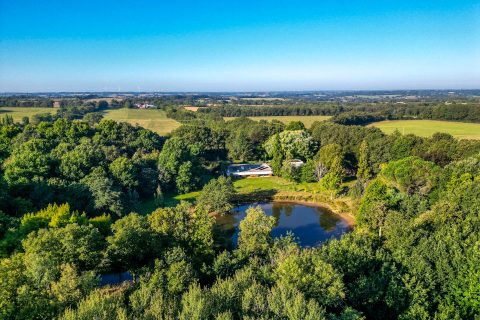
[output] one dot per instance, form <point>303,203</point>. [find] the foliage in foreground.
<point>423,264</point>
<point>415,253</point>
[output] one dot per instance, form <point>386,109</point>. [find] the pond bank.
<point>342,207</point>
<point>347,217</point>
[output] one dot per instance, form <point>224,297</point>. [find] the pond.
<point>115,278</point>
<point>310,224</point>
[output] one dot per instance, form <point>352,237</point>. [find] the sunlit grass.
<point>19,112</point>
<point>426,128</point>
<point>152,119</point>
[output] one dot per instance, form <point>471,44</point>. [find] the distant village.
<point>144,106</point>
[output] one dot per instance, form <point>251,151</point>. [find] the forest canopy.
<point>69,190</point>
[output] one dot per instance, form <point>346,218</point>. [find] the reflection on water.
<point>310,224</point>
<point>115,278</point>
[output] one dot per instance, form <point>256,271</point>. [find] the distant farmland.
<point>19,112</point>
<point>152,119</point>
<point>426,128</point>
<point>307,120</point>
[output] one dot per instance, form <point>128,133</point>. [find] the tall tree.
<point>132,244</point>
<point>217,195</point>
<point>278,156</point>
<point>255,237</point>
<point>332,180</point>
<point>363,172</point>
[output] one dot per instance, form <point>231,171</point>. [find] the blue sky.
<point>238,45</point>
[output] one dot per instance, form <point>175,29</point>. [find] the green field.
<point>18,112</point>
<point>426,128</point>
<point>307,120</point>
<point>152,119</point>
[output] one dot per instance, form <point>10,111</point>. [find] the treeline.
<point>359,118</point>
<point>452,112</point>
<point>282,110</point>
<point>77,109</point>
<point>26,101</point>
<point>358,114</point>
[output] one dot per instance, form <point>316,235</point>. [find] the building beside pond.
<point>249,170</point>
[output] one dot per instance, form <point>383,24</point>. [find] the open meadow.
<point>152,119</point>
<point>19,112</point>
<point>427,128</point>
<point>307,120</point>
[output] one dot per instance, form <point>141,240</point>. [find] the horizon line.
<point>237,91</point>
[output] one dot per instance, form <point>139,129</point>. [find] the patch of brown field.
<point>191,108</point>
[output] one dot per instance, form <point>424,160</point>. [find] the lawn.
<point>255,184</point>
<point>247,186</point>
<point>307,120</point>
<point>18,112</point>
<point>426,128</point>
<point>259,189</point>
<point>152,119</point>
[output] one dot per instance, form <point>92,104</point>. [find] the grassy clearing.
<point>253,185</point>
<point>307,120</point>
<point>18,113</point>
<point>426,128</point>
<point>278,189</point>
<point>152,119</point>
<point>263,189</point>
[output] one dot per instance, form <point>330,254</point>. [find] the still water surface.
<point>311,225</point>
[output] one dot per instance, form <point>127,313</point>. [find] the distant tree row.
<point>359,114</point>
<point>281,110</point>
<point>25,101</point>
<point>78,109</point>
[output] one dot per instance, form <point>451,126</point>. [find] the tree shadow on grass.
<point>256,196</point>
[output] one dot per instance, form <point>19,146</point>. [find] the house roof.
<point>249,169</point>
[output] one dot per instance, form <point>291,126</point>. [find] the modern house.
<point>249,170</point>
